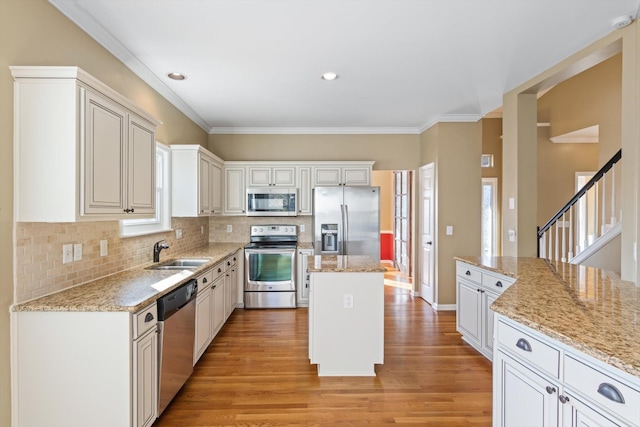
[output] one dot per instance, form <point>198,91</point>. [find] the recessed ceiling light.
<point>176,76</point>
<point>330,76</point>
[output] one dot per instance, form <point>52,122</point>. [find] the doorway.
<point>489,229</point>
<point>427,234</point>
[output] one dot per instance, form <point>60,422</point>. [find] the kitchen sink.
<point>179,264</point>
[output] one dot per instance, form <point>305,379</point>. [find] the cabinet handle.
<point>610,392</point>
<point>524,345</point>
<point>204,280</point>
<point>550,389</point>
<point>499,284</point>
<point>129,211</point>
<point>563,399</point>
<point>468,273</point>
<point>148,318</point>
<point>219,270</point>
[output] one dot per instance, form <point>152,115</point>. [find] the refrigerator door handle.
<point>345,228</point>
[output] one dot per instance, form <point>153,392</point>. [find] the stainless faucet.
<point>157,248</point>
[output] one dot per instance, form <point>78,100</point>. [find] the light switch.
<point>104,248</point>
<point>512,203</point>
<point>348,300</point>
<point>77,252</point>
<point>449,230</point>
<point>178,233</point>
<point>512,235</point>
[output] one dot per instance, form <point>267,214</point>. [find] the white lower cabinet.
<point>303,277</point>
<point>476,290</point>
<point>538,381</point>
<point>78,369</point>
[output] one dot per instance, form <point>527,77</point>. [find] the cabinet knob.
<point>219,270</point>
<point>468,273</point>
<point>563,399</point>
<point>550,389</point>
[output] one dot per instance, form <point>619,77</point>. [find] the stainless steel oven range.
<point>270,267</point>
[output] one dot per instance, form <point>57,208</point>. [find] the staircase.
<point>587,229</point>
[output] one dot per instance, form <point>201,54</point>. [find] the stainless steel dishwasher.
<point>177,325</point>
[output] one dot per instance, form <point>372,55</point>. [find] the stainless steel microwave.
<point>272,201</point>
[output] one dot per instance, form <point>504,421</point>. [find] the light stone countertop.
<point>586,308</point>
<point>129,290</point>
<point>343,264</point>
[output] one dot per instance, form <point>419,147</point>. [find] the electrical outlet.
<point>67,253</point>
<point>178,233</point>
<point>229,228</point>
<point>302,228</point>
<point>77,252</point>
<point>202,229</point>
<point>104,248</point>
<point>449,230</point>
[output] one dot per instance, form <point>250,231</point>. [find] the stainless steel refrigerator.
<point>346,221</point>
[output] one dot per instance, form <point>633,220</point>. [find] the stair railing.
<point>575,226</point>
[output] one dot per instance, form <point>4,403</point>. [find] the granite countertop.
<point>305,245</point>
<point>586,308</point>
<point>129,290</point>
<point>343,264</point>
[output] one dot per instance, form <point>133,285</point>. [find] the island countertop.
<point>129,290</point>
<point>343,264</point>
<point>591,310</point>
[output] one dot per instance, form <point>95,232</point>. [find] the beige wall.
<point>384,180</point>
<point>456,150</point>
<point>520,136</point>
<point>388,151</point>
<point>34,33</point>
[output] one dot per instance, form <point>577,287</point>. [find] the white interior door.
<point>427,234</point>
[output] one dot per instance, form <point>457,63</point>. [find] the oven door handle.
<point>270,251</point>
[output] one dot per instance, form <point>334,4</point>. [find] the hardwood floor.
<point>257,373</point>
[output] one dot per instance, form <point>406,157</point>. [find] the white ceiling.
<point>254,66</point>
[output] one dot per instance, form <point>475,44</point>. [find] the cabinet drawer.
<point>218,270</point>
<point>469,273</point>
<point>530,349</point>
<point>601,388</point>
<point>144,320</point>
<point>231,261</point>
<point>496,283</point>
<point>205,279</point>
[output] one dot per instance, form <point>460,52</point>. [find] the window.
<point>486,160</point>
<point>162,220</point>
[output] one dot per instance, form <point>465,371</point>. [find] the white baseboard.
<point>444,307</point>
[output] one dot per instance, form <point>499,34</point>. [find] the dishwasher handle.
<point>176,299</point>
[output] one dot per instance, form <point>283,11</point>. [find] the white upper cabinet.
<point>235,196</point>
<point>196,181</point>
<point>342,174</point>
<point>272,176</point>
<point>81,150</point>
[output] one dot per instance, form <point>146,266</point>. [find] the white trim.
<point>316,130</point>
<point>443,307</point>
<point>447,118</point>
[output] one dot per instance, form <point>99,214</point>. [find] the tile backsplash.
<point>240,226</point>
<point>39,268</point>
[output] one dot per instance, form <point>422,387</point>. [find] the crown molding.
<point>316,130</point>
<point>83,19</point>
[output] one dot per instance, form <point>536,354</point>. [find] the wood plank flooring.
<point>257,373</point>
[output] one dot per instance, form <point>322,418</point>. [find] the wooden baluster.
<point>563,225</point>
<point>571,242</point>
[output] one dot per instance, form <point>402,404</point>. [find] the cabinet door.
<point>303,282</point>
<point>204,185</point>
<point>259,176</point>
<point>577,414</point>
<point>104,156</point>
<point>203,323</point>
<point>526,399</point>
<point>327,176</point>
<point>284,176</point>
<point>469,312</point>
<point>145,383</point>
<point>304,191</point>
<point>141,188</point>
<point>235,193</point>
<point>217,317</point>
<point>216,188</point>
<point>356,176</point>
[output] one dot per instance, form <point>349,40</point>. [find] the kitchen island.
<point>566,344</point>
<point>346,315</point>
